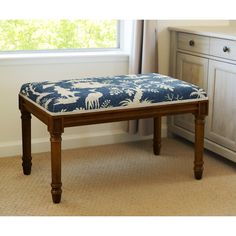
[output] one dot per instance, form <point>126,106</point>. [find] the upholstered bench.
<point>76,102</point>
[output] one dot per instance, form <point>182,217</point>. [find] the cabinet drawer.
<point>193,43</point>
<point>223,48</point>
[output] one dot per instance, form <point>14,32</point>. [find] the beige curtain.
<point>143,59</point>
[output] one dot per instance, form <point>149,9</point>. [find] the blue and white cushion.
<point>111,92</point>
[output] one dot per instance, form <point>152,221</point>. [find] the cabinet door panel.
<point>221,126</point>
<point>191,69</point>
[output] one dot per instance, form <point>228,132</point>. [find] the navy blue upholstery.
<point>109,92</point>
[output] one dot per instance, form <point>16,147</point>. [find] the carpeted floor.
<point>121,180</point>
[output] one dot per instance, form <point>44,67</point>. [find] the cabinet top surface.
<point>225,32</point>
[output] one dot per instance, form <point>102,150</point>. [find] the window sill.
<point>62,57</point>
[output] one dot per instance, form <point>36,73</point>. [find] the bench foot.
<point>26,141</point>
<point>55,139</point>
<point>56,192</point>
<point>199,146</point>
<point>26,166</point>
<point>198,174</point>
<point>156,149</point>
<point>157,135</point>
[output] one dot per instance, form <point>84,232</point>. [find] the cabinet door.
<point>191,69</point>
<point>221,125</point>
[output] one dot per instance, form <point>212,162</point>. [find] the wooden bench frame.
<point>57,123</point>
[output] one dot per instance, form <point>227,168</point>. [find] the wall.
<point>14,72</point>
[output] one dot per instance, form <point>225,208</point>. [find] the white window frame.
<point>75,56</point>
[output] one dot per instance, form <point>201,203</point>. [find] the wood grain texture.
<point>217,48</point>
<point>201,43</point>
<point>193,70</point>
<point>218,81</point>
<point>221,127</point>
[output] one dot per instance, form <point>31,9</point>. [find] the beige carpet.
<point>121,180</point>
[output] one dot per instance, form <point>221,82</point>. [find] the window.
<point>44,35</point>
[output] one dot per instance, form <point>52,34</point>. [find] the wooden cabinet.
<point>221,125</point>
<point>191,69</point>
<point>207,59</point>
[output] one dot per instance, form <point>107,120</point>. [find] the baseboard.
<point>75,141</point>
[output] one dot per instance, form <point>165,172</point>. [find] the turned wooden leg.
<point>157,135</point>
<point>26,141</point>
<point>55,139</point>
<point>199,146</point>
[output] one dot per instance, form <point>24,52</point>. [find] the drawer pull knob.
<point>226,49</point>
<point>191,43</point>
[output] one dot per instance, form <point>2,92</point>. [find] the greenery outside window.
<point>51,35</point>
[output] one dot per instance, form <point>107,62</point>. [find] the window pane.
<point>58,34</point>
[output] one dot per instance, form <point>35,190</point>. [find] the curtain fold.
<point>143,59</point>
